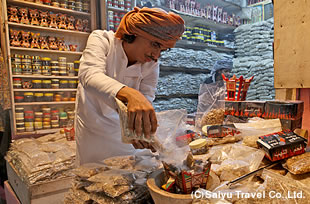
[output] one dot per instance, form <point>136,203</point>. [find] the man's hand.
<point>138,144</point>
<point>140,113</point>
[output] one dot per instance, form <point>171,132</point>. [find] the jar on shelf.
<point>47,119</point>
<point>38,125</point>
<point>198,146</point>
<point>20,125</point>
<point>72,96</point>
<point>19,113</point>
<point>16,69</point>
<point>86,5</point>
<point>70,69</point>
<point>62,72</point>
<point>63,119</point>
<point>36,70</point>
<point>29,113</point>
<point>38,97</point>
<point>46,125</point>
<point>47,2</point>
<point>26,69</point>
<point>63,84</point>
<point>20,130</point>
<point>55,115</point>
<point>70,114</point>
<point>38,115</point>
<point>55,122</point>
<point>56,125</point>
<point>65,96</point>
<point>46,71</point>
<point>64,4</point>
<point>26,59</point>
<point>37,83</point>
<point>76,67</point>
<point>20,120</point>
<point>57,97</point>
<point>18,99</point>
<point>17,83</point>
<point>55,83</point>
<point>55,3</point>
<point>36,60</point>
<point>19,110</point>
<point>47,84</point>
<point>46,114</point>
<point>72,84</point>
<point>46,110</point>
<point>71,4</point>
<point>48,97</point>
<point>28,97</point>
<point>16,59</point>
<point>62,59</point>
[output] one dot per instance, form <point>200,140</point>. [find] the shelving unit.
<point>70,37</point>
<point>47,51</point>
<point>186,44</point>
<point>40,28</point>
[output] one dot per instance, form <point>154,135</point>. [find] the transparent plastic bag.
<point>299,164</point>
<point>235,160</point>
<point>211,104</point>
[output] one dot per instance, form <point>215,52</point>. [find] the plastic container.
<point>28,97</point>
<point>20,120</point>
<point>55,115</point>
<point>38,115</point>
<point>198,146</point>
<point>62,59</point>
<point>72,84</point>
<point>63,84</point>
<point>38,125</point>
<point>57,97</point>
<point>62,73</point>
<point>38,97</point>
<point>46,110</point>
<point>26,69</point>
<point>17,83</point>
<point>19,99</point>
<point>36,70</point>
<point>20,125</point>
<point>19,115</point>
<point>16,69</point>
<point>19,110</point>
<point>47,84</point>
<point>48,97</point>
<point>37,84</point>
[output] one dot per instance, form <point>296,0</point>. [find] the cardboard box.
<point>251,108</point>
<point>232,108</point>
<point>282,145</point>
<point>291,124</point>
<point>218,131</point>
<point>289,110</point>
<point>51,192</point>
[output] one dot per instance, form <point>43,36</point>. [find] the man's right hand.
<point>140,112</point>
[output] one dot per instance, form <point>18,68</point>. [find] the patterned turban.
<point>154,24</point>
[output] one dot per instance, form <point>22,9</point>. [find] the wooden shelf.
<point>39,132</point>
<point>183,69</point>
<point>46,77</point>
<point>44,50</point>
<point>40,28</point>
<point>46,7</point>
<point>193,20</point>
<point>44,90</point>
<point>117,9</point>
<point>44,103</point>
<point>186,44</point>
<point>176,96</point>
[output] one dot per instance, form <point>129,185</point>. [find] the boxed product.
<point>220,130</point>
<point>291,124</point>
<point>289,110</point>
<point>281,145</point>
<point>232,108</point>
<point>251,108</point>
<point>187,180</point>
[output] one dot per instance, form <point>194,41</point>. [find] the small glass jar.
<point>36,70</point>
<point>62,72</point>
<point>20,120</point>
<point>19,110</point>
<point>37,84</point>
<point>198,146</point>
<point>28,97</point>
<point>46,70</point>
<point>55,83</point>
<point>26,69</point>
<point>63,121</point>
<point>38,115</point>
<point>38,97</point>
<point>17,83</point>
<point>47,2</point>
<point>38,125</point>
<point>29,113</point>
<point>16,69</point>
<point>46,125</point>
<point>19,114</point>
<point>57,97</point>
<point>70,114</point>
<point>62,59</point>
<point>48,97</point>
<point>55,115</point>
<point>20,125</point>
<point>47,120</point>
<point>63,84</point>
<point>47,115</point>
<point>55,70</point>
<point>46,110</point>
<point>72,84</point>
<point>47,84</point>
<point>19,99</point>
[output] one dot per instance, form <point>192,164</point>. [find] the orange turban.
<point>154,24</point>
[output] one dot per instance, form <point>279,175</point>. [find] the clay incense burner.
<point>70,23</point>
<point>35,40</point>
<point>52,43</point>
<point>23,12</point>
<point>61,44</point>
<point>12,10</point>
<point>79,24</point>
<point>34,15</point>
<point>53,20</point>
<point>62,18</point>
<point>43,21</point>
<point>85,26</point>
<point>25,39</point>
<point>43,43</point>
<point>14,34</point>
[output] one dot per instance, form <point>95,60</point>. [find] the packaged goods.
<point>213,117</point>
<point>291,110</point>
<point>299,164</point>
<point>198,146</point>
<point>282,145</point>
<point>220,131</point>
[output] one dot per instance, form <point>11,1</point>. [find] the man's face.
<point>147,50</point>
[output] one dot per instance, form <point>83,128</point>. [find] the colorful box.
<point>282,145</point>
<point>251,108</point>
<point>218,131</point>
<point>289,110</point>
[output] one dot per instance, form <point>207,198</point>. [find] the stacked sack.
<point>177,82</point>
<point>254,57</point>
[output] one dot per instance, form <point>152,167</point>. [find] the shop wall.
<point>254,57</point>
<point>304,95</point>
